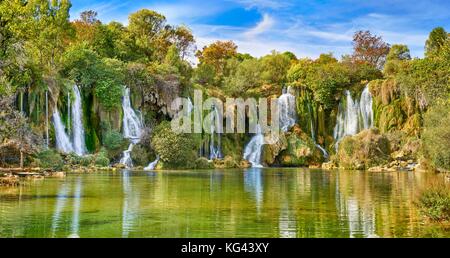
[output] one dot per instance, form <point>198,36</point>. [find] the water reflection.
<point>61,200</point>
<point>253,184</point>
<point>130,204</point>
<point>217,203</point>
<point>75,225</point>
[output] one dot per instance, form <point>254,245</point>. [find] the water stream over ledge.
<point>257,202</point>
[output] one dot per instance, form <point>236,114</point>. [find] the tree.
<point>398,52</point>
<point>368,48</point>
<point>436,40</point>
<point>217,55</point>
<point>146,28</point>
<point>89,17</point>
<point>274,68</point>
<point>184,40</point>
<point>247,75</point>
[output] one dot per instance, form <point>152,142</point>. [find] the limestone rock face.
<point>300,150</point>
<point>271,151</point>
<point>366,149</point>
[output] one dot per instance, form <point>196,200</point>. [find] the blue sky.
<point>306,28</point>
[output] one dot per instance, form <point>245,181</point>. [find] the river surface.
<point>218,203</point>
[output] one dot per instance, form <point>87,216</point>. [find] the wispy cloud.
<point>263,26</point>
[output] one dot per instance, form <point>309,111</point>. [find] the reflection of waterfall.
<point>132,127</point>
<point>353,116</point>
<point>59,207</point>
<point>215,148</point>
<point>361,221</point>
<point>253,150</point>
<point>62,139</point>
<point>77,124</point>
<point>75,226</point>
<point>47,140</point>
<point>153,164</point>
<point>253,184</point>
<point>287,110</point>
<point>130,204</point>
<point>287,223</point>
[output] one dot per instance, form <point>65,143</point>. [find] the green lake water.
<point>218,203</point>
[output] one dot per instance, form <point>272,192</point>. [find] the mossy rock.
<point>227,162</point>
<point>300,150</point>
<point>140,155</point>
<point>367,149</point>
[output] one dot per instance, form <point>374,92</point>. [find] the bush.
<point>50,159</point>
<point>102,160</point>
<point>175,150</point>
<point>87,160</point>
<point>434,201</point>
<point>366,149</point>
<point>113,140</point>
<point>140,155</point>
<point>436,136</point>
<point>203,163</point>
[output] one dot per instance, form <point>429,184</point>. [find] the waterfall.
<point>253,150</point>
<point>153,164</point>
<point>132,128</point>
<point>287,110</point>
<point>79,144</point>
<point>215,148</point>
<point>62,139</point>
<point>353,115</point>
<point>47,142</point>
<point>313,135</point>
<point>365,105</point>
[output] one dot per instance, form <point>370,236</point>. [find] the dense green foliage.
<point>179,150</point>
<point>50,159</point>
<point>434,201</point>
<point>436,136</point>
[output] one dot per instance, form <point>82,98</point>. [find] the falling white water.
<point>62,139</point>
<point>132,128</point>
<point>79,144</point>
<point>152,165</point>
<point>353,116</point>
<point>132,125</point>
<point>253,150</point>
<point>126,158</point>
<point>215,148</point>
<point>313,135</point>
<point>365,104</point>
<point>287,110</point>
<point>47,140</point>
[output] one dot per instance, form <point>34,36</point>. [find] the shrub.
<point>50,159</point>
<point>102,160</point>
<point>175,150</point>
<point>203,163</point>
<point>87,160</point>
<point>434,201</point>
<point>366,149</point>
<point>140,155</point>
<point>436,136</point>
<point>112,140</point>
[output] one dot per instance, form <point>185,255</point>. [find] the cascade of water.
<point>215,148</point>
<point>286,109</point>
<point>79,144</point>
<point>47,142</point>
<point>153,164</point>
<point>348,120</point>
<point>68,112</point>
<point>62,139</point>
<point>132,125</point>
<point>253,150</point>
<point>365,104</point>
<point>132,128</point>
<point>313,135</point>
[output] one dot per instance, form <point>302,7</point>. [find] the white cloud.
<point>264,25</point>
<point>264,4</point>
